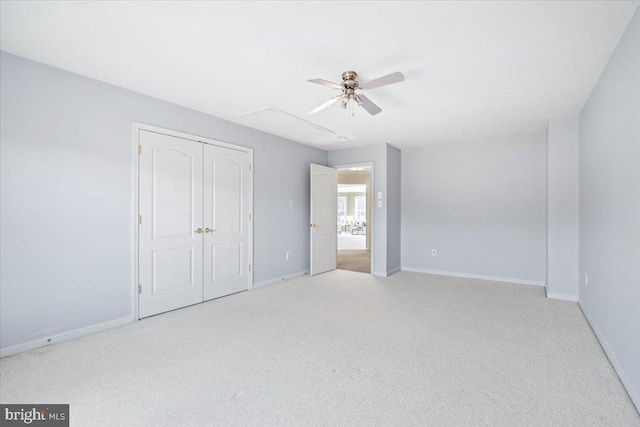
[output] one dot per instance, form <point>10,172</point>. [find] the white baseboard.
<point>64,336</point>
<point>563,297</point>
<point>393,271</point>
<point>633,394</point>
<point>380,273</point>
<point>476,276</point>
<point>278,279</point>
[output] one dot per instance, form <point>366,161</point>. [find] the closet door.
<point>227,198</point>
<point>170,207</point>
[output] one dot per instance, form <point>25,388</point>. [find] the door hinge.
<point>249,167</point>
<point>139,289</point>
<point>249,217</point>
<point>139,149</point>
<point>249,269</point>
<point>139,219</point>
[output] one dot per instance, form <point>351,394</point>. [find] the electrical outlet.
<point>434,252</point>
<point>287,256</point>
<point>586,279</point>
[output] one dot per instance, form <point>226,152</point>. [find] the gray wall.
<point>562,208</point>
<point>376,154</point>
<point>486,198</point>
<point>394,211</point>
<point>67,197</point>
<point>610,208</point>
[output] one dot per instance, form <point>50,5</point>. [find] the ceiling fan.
<point>350,85</point>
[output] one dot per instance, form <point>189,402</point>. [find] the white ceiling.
<point>473,70</point>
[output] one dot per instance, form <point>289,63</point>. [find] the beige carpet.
<point>355,260</point>
<point>338,349</point>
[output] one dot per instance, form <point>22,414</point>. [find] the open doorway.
<point>355,223</point>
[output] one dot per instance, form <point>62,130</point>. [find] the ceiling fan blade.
<point>326,104</point>
<point>383,81</point>
<point>325,83</point>
<point>368,105</point>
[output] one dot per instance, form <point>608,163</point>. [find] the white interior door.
<point>324,218</point>
<point>170,207</point>
<point>227,203</point>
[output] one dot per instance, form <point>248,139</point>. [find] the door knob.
<point>315,225</point>
<point>199,230</point>
<point>208,230</point>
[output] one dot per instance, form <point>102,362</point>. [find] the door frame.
<point>372,190</point>
<point>137,127</point>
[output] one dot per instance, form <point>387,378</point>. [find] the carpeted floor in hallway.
<point>355,260</point>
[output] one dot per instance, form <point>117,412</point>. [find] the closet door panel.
<point>226,214</point>
<point>170,206</point>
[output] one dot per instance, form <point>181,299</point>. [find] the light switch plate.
<point>379,203</point>
<point>379,194</point>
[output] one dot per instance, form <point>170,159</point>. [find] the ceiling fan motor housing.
<point>349,80</point>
